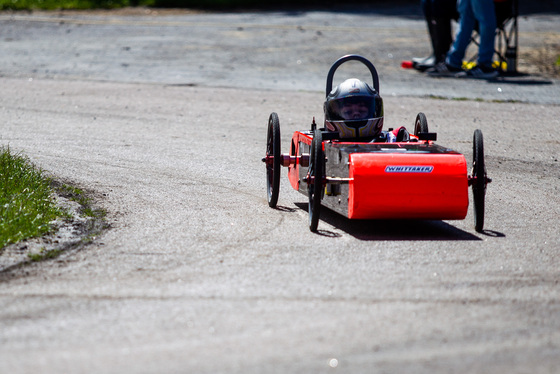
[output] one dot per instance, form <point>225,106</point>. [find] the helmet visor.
<point>353,108</point>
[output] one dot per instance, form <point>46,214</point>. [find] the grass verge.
<point>27,205</point>
<point>70,4</point>
<point>78,195</point>
<point>205,4</point>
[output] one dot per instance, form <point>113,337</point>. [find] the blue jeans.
<point>471,11</point>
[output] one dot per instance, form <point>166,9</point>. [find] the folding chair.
<point>506,42</point>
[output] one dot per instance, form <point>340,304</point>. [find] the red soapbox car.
<point>413,179</point>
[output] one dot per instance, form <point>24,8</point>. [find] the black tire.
<point>479,183</point>
<point>273,168</point>
<point>421,124</point>
<point>315,188</point>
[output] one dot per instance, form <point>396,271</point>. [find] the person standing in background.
<point>438,14</point>
<point>471,11</point>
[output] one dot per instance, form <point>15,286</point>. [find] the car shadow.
<point>376,230</point>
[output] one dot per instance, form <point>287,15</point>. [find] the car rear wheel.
<point>421,124</point>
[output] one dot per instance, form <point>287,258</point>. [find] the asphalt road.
<point>286,50</point>
<point>197,274</point>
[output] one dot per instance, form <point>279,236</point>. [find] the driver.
<point>355,110</point>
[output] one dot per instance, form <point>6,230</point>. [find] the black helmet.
<point>354,110</point>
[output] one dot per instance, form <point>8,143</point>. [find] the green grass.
<point>78,195</point>
<point>44,255</point>
<point>27,205</point>
<point>111,4</point>
<point>70,4</point>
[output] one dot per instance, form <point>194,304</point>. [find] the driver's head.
<point>354,109</point>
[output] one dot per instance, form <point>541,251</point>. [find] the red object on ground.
<point>406,65</point>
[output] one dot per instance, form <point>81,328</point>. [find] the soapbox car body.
<point>413,179</point>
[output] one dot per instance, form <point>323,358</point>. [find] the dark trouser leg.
<point>423,63</point>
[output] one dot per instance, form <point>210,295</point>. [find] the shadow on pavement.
<point>521,79</point>
<point>394,229</point>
